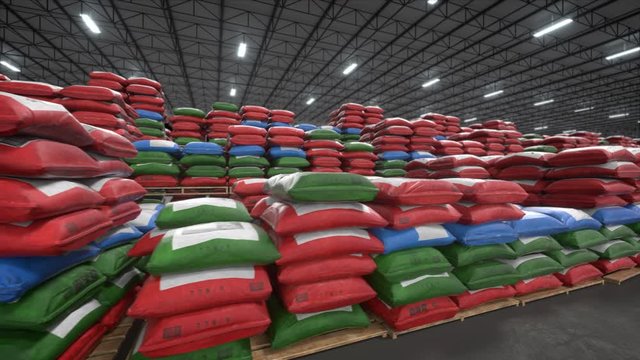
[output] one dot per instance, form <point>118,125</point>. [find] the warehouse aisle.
<point>596,323</point>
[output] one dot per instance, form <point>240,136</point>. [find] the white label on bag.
<point>303,238</point>
<point>603,247</point>
<point>519,261</point>
<point>170,281</point>
<point>479,290</point>
<point>391,181</point>
<point>527,240</point>
<point>34,104</point>
<point>51,188</point>
<point>161,143</point>
<point>526,281</point>
<point>407,207</point>
<point>304,209</point>
<point>289,148</point>
<point>613,227</point>
<point>301,317</point>
<point>568,251</point>
<point>254,181</point>
<point>144,218</point>
<point>62,328</point>
<point>577,214</point>
<point>192,203</point>
<point>430,232</point>
<point>529,154</point>
<point>465,181</point>
<point>420,278</point>
<point>97,184</point>
<point>197,234</point>
<point>123,280</point>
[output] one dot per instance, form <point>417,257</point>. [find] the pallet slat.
<point>620,276</point>
<point>524,299</point>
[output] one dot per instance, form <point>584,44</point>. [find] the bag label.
<point>613,227</point>
<point>36,105</point>
<point>464,181</point>
<point>170,281</point>
<point>62,328</point>
<point>603,247</point>
<point>51,188</point>
<point>123,280</point>
<point>253,181</point>
<point>98,183</point>
<point>303,238</point>
<point>406,283</point>
<point>489,288</point>
<point>161,143</point>
<point>197,234</point>
<point>301,317</point>
<point>577,214</point>
<point>304,209</point>
<point>568,251</point>
<point>514,263</point>
<point>527,240</point>
<point>431,232</point>
<point>192,203</point>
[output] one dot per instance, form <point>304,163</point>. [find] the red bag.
<point>104,75</point>
<point>545,282</point>
<point>252,115</point>
<point>184,333</point>
<point>373,109</point>
<point>91,93</point>
<point>53,236</point>
<point>187,126</point>
<point>291,141</point>
<point>149,107</point>
<point>578,274</point>
<point>413,315</point>
<point>529,172</point>
<point>254,108</point>
<point>27,200</point>
<point>423,123</point>
<point>326,269</point>
<point>390,147</point>
<point>223,114</point>
<point>186,118</point>
<point>110,166</point>
<point>28,117</point>
<point>393,130</point>
<point>100,119</point>
<point>325,295</point>
<point>588,186</point>
<point>475,151</point>
<point>326,169</point>
<point>144,81</point>
<point>524,158</point>
<point>248,187</point>
<point>422,140</point>
<point>156,180</point>
<point>390,139</point>
<point>472,298</point>
<point>119,310</point>
<point>416,164</point>
<point>280,118</point>
<point>582,201</point>
<point>323,153</point>
<point>116,190</point>
<point>113,85</point>
<point>591,156</point>
<point>82,347</point>
<point>248,140</point>
<point>532,186</point>
<point>473,214</point>
<point>108,143</point>
<point>250,201</point>
<point>30,88</point>
<point>360,171</point>
<point>614,169</point>
<point>122,213</point>
<point>359,155</point>
<point>474,172</point>
<point>352,106</point>
<point>173,294</point>
<point>91,105</point>
<point>489,191</point>
<point>454,161</point>
<point>139,89</point>
<point>202,181</point>
<point>323,144</point>
<point>608,266</point>
<point>315,245</point>
<point>495,147</point>
<point>324,161</point>
<point>191,134</point>
<point>285,131</point>
<point>147,243</point>
<point>425,131</point>
<point>403,217</point>
<point>401,191</point>
<point>261,206</point>
<point>146,99</point>
<point>359,163</point>
<point>247,130</point>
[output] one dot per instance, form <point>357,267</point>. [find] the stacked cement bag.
<point>450,166</point>
<point>156,164</point>
<point>246,149</point>
<point>320,272</point>
<point>322,148</point>
<point>391,138</point>
<point>64,273</point>
<point>186,125</point>
<point>446,125</point>
<point>219,119</point>
<point>254,115</point>
<point>31,89</point>
<point>349,119</point>
<point>528,169</point>
<point>146,96</point>
<point>423,139</point>
<point>206,263</point>
<point>249,192</point>
<point>286,149</point>
<point>359,158</point>
<point>203,164</point>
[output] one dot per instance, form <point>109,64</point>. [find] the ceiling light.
<point>232,92</point>
<point>553,27</point>
<point>242,49</point>
<point>540,128</point>
<point>9,66</point>
<point>430,82</point>
<point>310,101</point>
<point>432,2</point>
<point>349,69</point>
<point>623,53</point>
<point>470,120</point>
<point>583,109</point>
<point>494,93</point>
<point>90,23</point>
<point>543,102</point>
<point>618,115</point>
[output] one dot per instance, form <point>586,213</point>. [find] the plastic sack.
<point>573,219</point>
<point>607,266</point>
<point>116,190</point>
<point>325,295</point>
<point>146,221</point>
<point>580,239</point>
<point>572,257</point>
<point>323,187</point>
<point>472,298</point>
<point>415,314</point>
<point>473,214</point>
<point>537,224</point>
<point>614,215</point>
<point>612,232</point>
<point>614,249</point>
<point>544,282</point>
<point>534,244</point>
<point>424,235</point>
<point>158,145</point>
<point>409,264</point>
<point>578,274</point>
<point>533,265</point>
<point>589,186</point>
<point>406,216</point>
<point>591,156</point>
<point>489,191</point>
<point>416,289</point>
<point>325,269</point>
<point>201,210</point>
<point>486,274</point>
<point>582,201</point>
<point>415,191</point>
<point>615,169</point>
<point>483,234</point>
<point>461,255</point>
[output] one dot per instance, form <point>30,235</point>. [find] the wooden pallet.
<point>563,290</point>
<point>585,284</point>
<point>108,347</point>
<point>620,276</point>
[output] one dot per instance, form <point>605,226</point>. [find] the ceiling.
<point>298,50</point>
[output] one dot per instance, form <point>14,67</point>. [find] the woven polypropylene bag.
<point>115,260</point>
<point>473,298</point>
<point>607,266</point>
<point>332,268</point>
<point>415,191</point>
<point>245,172</point>
<point>248,160</point>
<point>572,257</point>
<point>406,216</point>
<point>612,232</point>
<point>198,247</point>
<point>615,215</point>
<point>539,283</point>
<point>591,156</point>
<point>203,159</point>
<point>325,295</point>
<point>145,157</point>
<point>486,274</point>
<point>580,239</point>
<point>118,236</point>
<point>323,187</point>
<point>424,235</point>
<point>577,274</point>
<point>473,214</point>
<point>481,191</point>
<point>415,314</point>
<point>409,264</point>
<point>416,289</point>
<point>201,210</point>
<point>461,255</point>
<point>537,224</point>
<point>482,234</point>
<point>116,190</point>
<point>109,143</point>
<point>155,169</point>
<point>614,249</point>
<point>534,244</point>
<point>573,219</point>
<point>116,288</point>
<point>533,265</point>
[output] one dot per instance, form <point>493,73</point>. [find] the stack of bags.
<point>446,125</point>
<point>358,158</point>
<point>151,129</point>
<point>156,163</point>
<point>146,97</point>
<point>208,285</point>
<point>254,115</point>
<point>219,119</point>
<point>448,147</point>
<point>413,278</point>
<point>319,275</point>
<point>391,139</point>
<point>246,149</point>
<point>620,140</point>
<point>109,80</point>
<point>373,114</point>
<point>349,119</point>
<point>32,89</point>
<point>423,139</point>
<point>452,166</point>
<point>286,152</point>
<point>203,164</point>
<point>528,169</point>
<point>562,142</point>
<point>59,210</point>
<point>249,192</point>
<point>186,125</point>
<point>281,118</point>
<point>322,148</point>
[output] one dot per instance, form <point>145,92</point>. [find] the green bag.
<point>349,137</point>
<point>151,131</point>
<point>53,299</point>
<point>462,255</point>
<point>220,105</point>
<point>287,328</point>
<point>291,162</point>
<point>189,112</point>
<point>411,263</point>
<point>206,171</point>
<point>414,290</point>
<point>114,290</point>
<point>245,172</point>
<point>308,186</point>
<point>35,345</point>
<point>235,350</point>
<point>219,141</point>
<point>155,169</point>
<point>358,146</point>
<point>114,261</point>
<point>613,232</point>
<point>542,148</point>
<point>146,157</point>
<point>248,160</point>
<point>391,173</point>
<point>390,164</point>
<point>486,274</point>
<point>199,211</point>
<point>572,257</point>
<point>142,263</point>
<point>534,245</point>
<point>635,227</point>
<point>281,171</point>
<point>534,265</point>
<point>201,159</point>
<point>148,123</point>
<point>614,249</point>
<point>185,140</point>
<point>212,245</point>
<point>633,240</point>
<point>321,134</point>
<point>580,239</point>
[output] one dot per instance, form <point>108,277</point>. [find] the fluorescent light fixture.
<point>470,120</point>
<point>583,109</point>
<point>310,101</point>
<point>432,2</point>
<point>540,128</point>
<point>430,82</point>
<point>232,92</point>
<point>618,115</point>
<point>9,66</point>
<point>623,53</point>
<point>242,49</point>
<point>553,27</point>
<point>543,102</point>
<point>494,93</point>
<point>90,23</point>
<point>350,69</point>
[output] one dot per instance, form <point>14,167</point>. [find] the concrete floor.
<point>601,322</point>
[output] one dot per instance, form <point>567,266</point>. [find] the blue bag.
<point>203,148</point>
<point>146,221</point>
<point>615,215</point>
<point>306,127</point>
<point>537,224</point>
<point>150,115</point>
<point>394,155</point>
<point>242,150</point>
<point>254,123</point>
<point>118,236</point>
<point>440,137</point>
<point>421,155</point>
<point>158,145</point>
<point>279,124</point>
<point>21,274</point>
<point>573,219</point>
<point>483,234</point>
<point>352,131</point>
<point>425,235</point>
<point>277,152</point>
